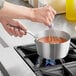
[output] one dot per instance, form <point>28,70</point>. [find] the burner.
<point>45,62</point>
<point>50,62</point>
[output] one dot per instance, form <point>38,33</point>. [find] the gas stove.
<point>43,67</point>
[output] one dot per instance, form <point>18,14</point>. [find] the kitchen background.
<point>19,2</point>
<point>12,61</point>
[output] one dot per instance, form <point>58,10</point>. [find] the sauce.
<point>52,40</point>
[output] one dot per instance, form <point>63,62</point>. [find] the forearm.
<point>15,11</point>
<point>44,14</point>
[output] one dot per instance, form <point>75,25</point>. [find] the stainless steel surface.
<point>53,51</point>
<point>61,23</point>
<point>3,43</point>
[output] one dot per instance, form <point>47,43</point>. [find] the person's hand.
<point>44,15</point>
<point>10,24</point>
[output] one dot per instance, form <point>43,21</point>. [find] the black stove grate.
<point>30,56</point>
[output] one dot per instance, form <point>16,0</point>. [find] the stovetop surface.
<point>68,68</point>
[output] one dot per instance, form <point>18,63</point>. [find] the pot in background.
<point>52,51</point>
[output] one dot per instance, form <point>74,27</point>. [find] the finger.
<point>19,24</point>
<point>53,11</point>
<point>51,17</point>
<point>7,28</point>
<point>16,32</point>
<point>24,29</point>
<point>10,30</point>
<point>13,31</point>
<point>21,33</point>
<point>48,19</point>
<point>47,22</point>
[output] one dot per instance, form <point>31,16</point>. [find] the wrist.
<point>29,13</point>
<point>4,20</point>
<point>35,12</point>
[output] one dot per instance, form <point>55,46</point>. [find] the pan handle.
<point>29,32</point>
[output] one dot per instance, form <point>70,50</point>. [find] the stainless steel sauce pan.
<point>52,51</point>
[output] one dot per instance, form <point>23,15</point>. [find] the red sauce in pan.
<point>52,40</point>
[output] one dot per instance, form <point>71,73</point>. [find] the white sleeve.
<point>1,3</point>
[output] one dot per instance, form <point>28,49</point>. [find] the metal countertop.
<point>61,23</point>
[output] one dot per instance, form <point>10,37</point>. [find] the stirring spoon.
<point>50,27</point>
